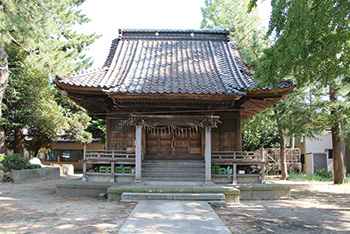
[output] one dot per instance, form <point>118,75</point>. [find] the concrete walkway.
<point>165,216</point>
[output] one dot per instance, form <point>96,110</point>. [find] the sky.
<point>107,16</point>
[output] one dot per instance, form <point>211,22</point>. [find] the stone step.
<point>169,178</point>
<point>171,164</point>
<point>174,174</point>
<point>172,169</point>
<point>175,161</point>
<point>172,183</point>
<point>128,197</point>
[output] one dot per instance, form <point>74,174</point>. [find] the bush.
<point>18,162</point>
<point>323,173</point>
<point>2,158</point>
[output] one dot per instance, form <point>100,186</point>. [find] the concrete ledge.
<point>119,178</point>
<point>79,188</point>
<point>264,192</point>
<point>23,175</point>
<point>241,179</point>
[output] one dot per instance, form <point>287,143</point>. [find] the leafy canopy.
<point>34,112</point>
<point>43,29</point>
<point>245,28</point>
<point>311,42</point>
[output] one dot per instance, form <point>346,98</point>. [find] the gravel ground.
<point>34,207</point>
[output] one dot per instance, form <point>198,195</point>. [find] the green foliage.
<point>40,41</point>
<point>97,128</point>
<point>312,46</point>
<point>260,129</point>
<point>18,162</point>
<point>77,120</point>
<point>297,114</point>
<point>2,158</point>
<point>43,29</point>
<point>323,173</point>
<point>245,28</point>
<point>28,104</point>
<point>316,177</point>
<point>311,42</point>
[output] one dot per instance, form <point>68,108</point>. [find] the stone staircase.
<point>173,172</point>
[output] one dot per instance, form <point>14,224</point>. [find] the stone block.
<point>65,169</point>
<point>130,196</point>
<point>23,175</point>
<point>264,192</point>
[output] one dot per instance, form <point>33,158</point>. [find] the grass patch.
<point>310,177</point>
<point>315,177</point>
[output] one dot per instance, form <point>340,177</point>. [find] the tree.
<point>98,129</point>
<point>245,28</point>
<point>293,116</point>
<point>42,29</point>
<point>261,129</point>
<point>312,45</point>
<point>35,112</point>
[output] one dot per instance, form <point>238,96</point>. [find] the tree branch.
<point>18,44</point>
<point>317,5</point>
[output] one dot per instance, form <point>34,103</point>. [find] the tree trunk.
<point>282,155</point>
<point>338,160</point>
<point>18,143</point>
<point>282,148</point>
<point>3,85</point>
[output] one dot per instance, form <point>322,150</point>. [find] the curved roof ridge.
<point>175,34</point>
<point>229,90</point>
<point>210,31</point>
<point>236,67</point>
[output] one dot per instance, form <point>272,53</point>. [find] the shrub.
<point>18,162</point>
<point>323,173</point>
<point>2,158</point>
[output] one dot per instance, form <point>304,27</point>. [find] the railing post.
<point>84,163</point>
<point>263,165</point>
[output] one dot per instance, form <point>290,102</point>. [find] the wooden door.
<point>165,146</point>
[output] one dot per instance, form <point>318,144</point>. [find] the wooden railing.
<point>238,157</point>
<point>111,157</point>
<point>235,158</point>
<point>102,156</point>
<point>291,154</point>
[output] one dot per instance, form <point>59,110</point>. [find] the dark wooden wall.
<point>120,135</point>
<point>226,137</point>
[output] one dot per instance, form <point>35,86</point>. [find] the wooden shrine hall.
<point>171,97</point>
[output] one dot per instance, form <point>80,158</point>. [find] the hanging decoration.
<point>176,125</point>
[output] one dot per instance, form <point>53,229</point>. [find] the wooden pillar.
<point>84,179</point>
<point>263,166</point>
<point>207,155</point>
<point>138,156</point>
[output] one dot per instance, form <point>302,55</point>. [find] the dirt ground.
<point>315,207</point>
<point>33,207</point>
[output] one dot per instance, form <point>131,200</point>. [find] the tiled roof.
<point>169,61</point>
